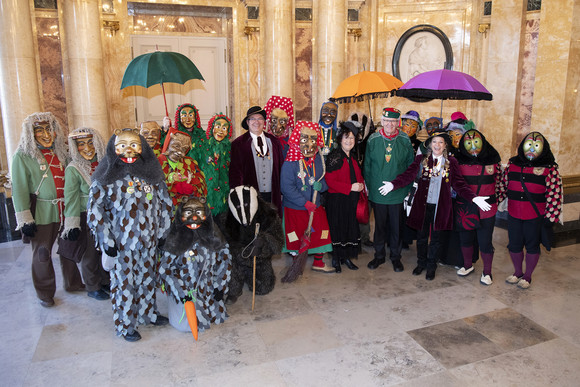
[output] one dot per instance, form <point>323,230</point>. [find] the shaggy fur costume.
<point>196,265</point>
<point>271,238</point>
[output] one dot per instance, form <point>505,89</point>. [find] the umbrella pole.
<point>164,100</point>
<point>441,111</point>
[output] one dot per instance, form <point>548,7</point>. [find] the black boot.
<point>336,264</point>
<point>350,265</point>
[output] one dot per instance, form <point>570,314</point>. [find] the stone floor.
<point>357,328</point>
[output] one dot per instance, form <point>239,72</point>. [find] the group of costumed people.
<point>183,209</point>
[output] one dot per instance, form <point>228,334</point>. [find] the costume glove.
<point>166,124</point>
<point>386,188</point>
<point>258,246</point>
<point>218,295</point>
<point>481,203</point>
<point>311,207</point>
<point>111,251</point>
<point>29,229</point>
<point>73,234</point>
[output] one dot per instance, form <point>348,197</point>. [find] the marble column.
<point>556,108</point>
<point>20,93</point>
<point>329,23</point>
<point>87,99</point>
<point>504,62</point>
<point>278,34</point>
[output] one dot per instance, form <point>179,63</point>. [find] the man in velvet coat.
<point>257,145</point>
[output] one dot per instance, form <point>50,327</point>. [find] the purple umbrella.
<point>444,84</point>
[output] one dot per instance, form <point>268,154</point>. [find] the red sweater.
<point>339,181</point>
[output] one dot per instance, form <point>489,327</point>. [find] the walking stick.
<point>254,274</point>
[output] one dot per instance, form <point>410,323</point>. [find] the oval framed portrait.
<point>421,48</point>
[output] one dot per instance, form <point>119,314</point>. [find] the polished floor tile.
<point>356,328</point>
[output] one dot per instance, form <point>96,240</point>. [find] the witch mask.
<point>278,122</point>
<point>187,117</point>
<point>128,145</point>
<point>308,142</point>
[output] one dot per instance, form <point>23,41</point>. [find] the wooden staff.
<point>254,274</point>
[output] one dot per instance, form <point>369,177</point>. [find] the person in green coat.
<point>38,195</point>
<point>86,148</point>
<point>389,152</point>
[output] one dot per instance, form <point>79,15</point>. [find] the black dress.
<point>341,208</point>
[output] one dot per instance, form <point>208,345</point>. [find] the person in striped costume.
<point>534,193</point>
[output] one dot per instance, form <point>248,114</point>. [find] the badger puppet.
<point>246,209</point>
<point>196,262</point>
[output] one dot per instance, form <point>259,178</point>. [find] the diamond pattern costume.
<point>129,210</point>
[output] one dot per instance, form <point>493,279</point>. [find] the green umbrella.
<point>160,67</point>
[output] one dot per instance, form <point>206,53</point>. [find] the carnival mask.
<point>193,213</point>
<point>432,124</point>
<point>221,128</point>
<point>151,131</point>
<point>128,145</point>
<point>43,133</point>
<point>187,117</point>
<point>278,122</point>
<point>86,147</point>
<point>455,135</point>
<point>328,113</point>
<point>410,126</point>
<point>533,145</point>
<point>472,142</point>
<point>308,142</point>
<point>243,204</point>
<point>179,145</point>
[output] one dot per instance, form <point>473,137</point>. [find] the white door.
<point>209,96</point>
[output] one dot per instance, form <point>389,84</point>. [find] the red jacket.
<point>491,183</point>
<point>339,181</point>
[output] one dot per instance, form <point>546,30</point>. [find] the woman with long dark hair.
<point>345,182</point>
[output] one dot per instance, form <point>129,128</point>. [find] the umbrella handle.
<point>164,100</point>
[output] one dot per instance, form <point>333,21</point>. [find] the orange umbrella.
<point>366,85</point>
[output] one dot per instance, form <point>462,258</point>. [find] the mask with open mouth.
<point>193,213</point>
<point>128,145</point>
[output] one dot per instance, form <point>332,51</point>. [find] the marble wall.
<point>381,22</point>
<point>303,109</point>
<point>51,69</point>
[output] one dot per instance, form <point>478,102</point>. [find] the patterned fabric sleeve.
<point>165,210</point>
<point>222,269</point>
<point>500,184</point>
<point>98,218</point>
<point>554,195</point>
<point>502,195</point>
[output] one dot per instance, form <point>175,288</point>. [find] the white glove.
<point>166,123</point>
<point>502,207</point>
<point>481,203</point>
<point>386,188</point>
<point>108,262</point>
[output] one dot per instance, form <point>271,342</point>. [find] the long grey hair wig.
<point>78,161</point>
<point>28,144</point>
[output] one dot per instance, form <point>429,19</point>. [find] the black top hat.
<point>439,133</point>
<point>251,111</point>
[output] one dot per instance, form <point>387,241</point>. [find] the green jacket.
<point>76,196</point>
<point>377,169</point>
<point>27,175</point>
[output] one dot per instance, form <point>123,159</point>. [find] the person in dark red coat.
<point>480,166</point>
<point>432,210</point>
<point>257,153</point>
<point>534,192</point>
<point>345,182</point>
